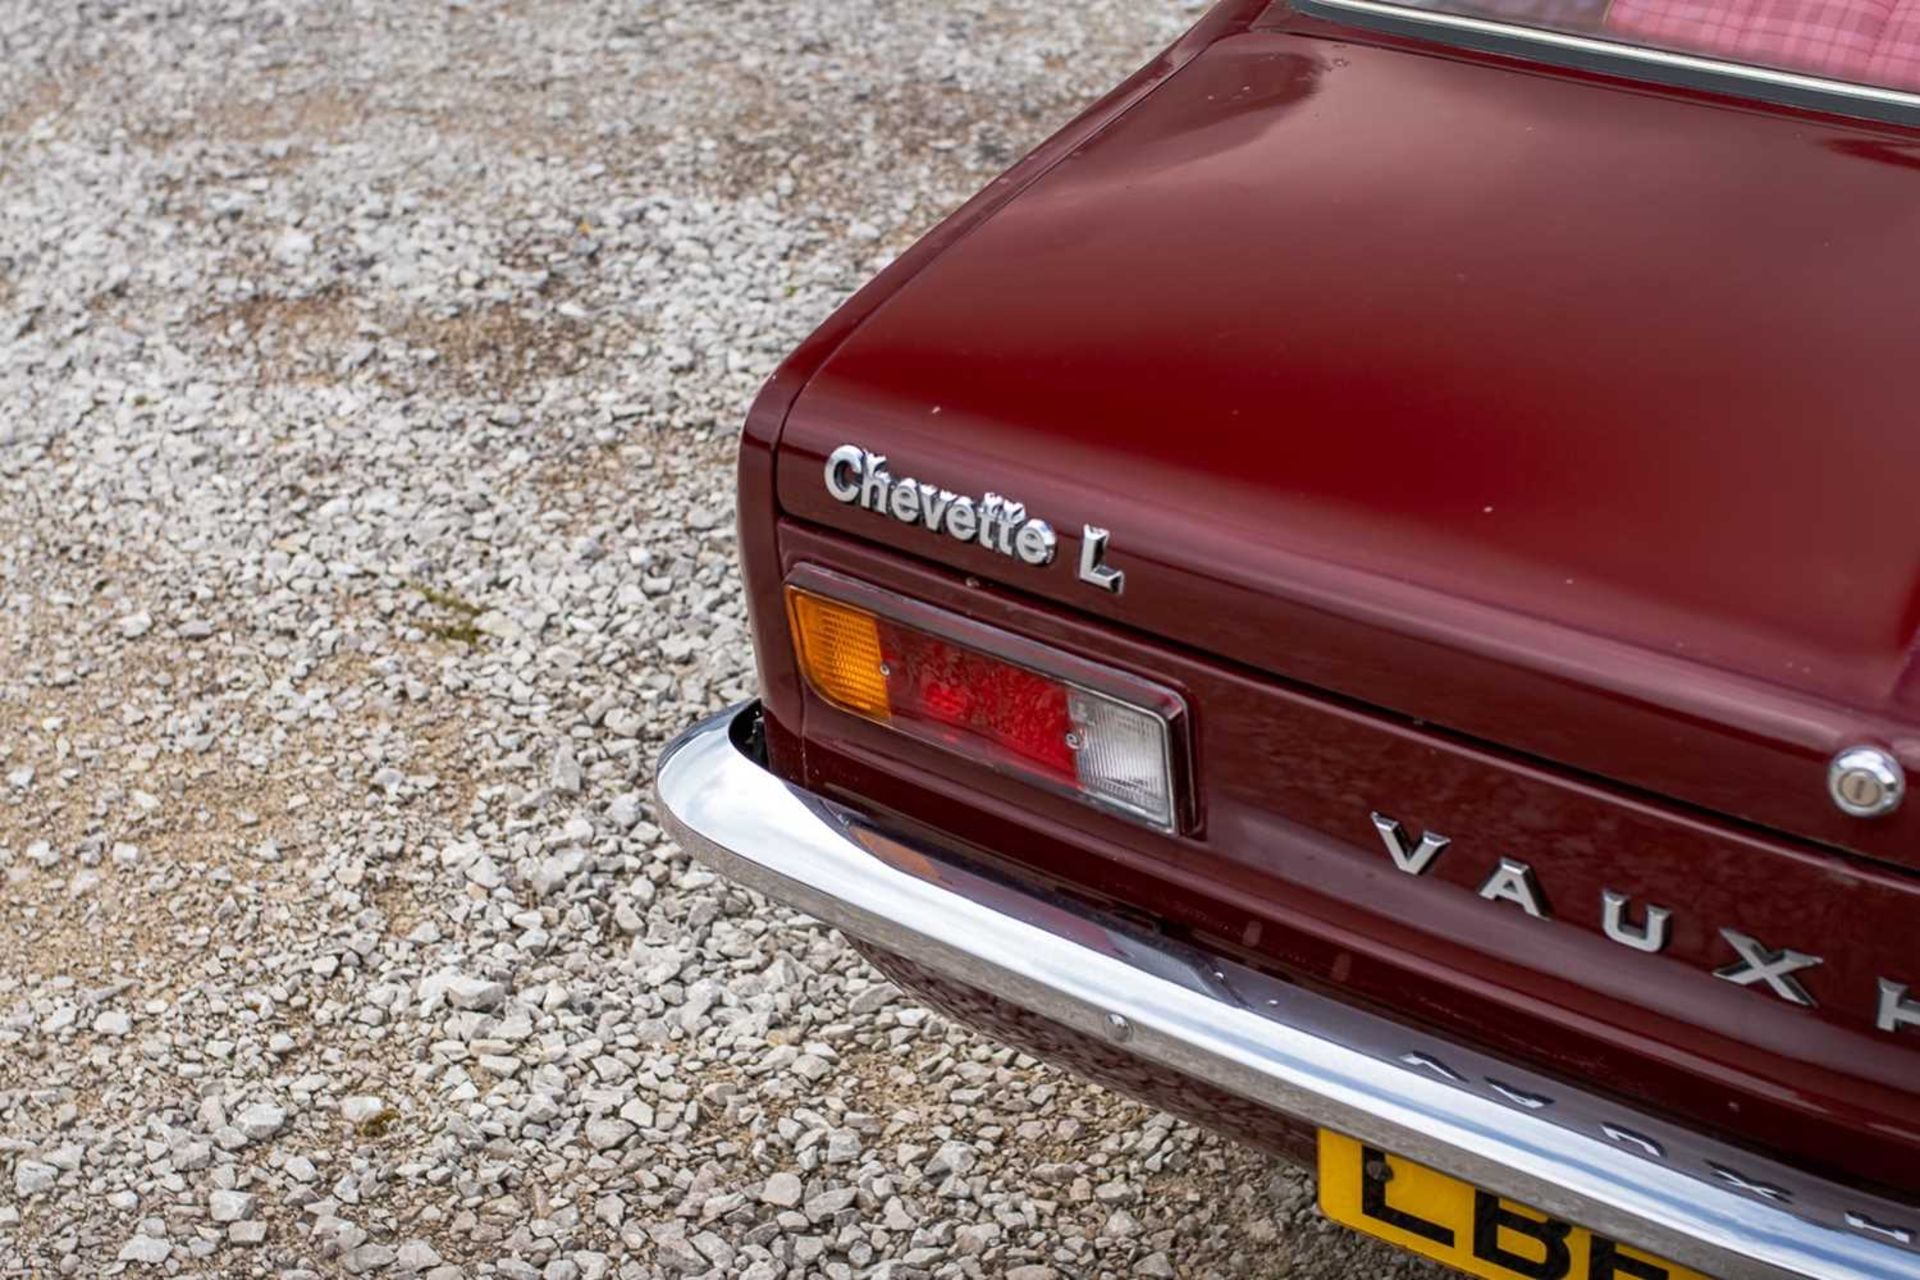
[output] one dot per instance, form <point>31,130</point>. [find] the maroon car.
<point>1368,593</point>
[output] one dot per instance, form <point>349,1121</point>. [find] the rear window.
<point>1865,42</point>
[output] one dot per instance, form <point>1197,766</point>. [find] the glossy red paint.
<point>1520,453</point>
<point>757,510</point>
<point>1568,416</point>
<point>1289,874</point>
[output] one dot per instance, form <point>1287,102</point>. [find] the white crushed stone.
<point>231,1206</point>
<point>369,376</point>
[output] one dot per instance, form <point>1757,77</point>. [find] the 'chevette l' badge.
<point>859,477</point>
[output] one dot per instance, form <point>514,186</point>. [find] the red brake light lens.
<point>962,695</point>
<point>1103,749</point>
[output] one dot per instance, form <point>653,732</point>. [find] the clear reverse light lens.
<point>1121,752</point>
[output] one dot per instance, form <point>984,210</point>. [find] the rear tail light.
<point>1101,746</point>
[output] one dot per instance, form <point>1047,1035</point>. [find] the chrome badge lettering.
<point>1646,927</point>
<point>858,477</point>
<point>1094,569</point>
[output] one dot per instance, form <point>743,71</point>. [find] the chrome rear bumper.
<point>1635,1178</point>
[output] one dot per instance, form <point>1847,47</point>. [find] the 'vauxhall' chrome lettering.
<point>1650,937</point>
<point>1896,1010</point>
<point>1514,882</point>
<point>1775,968</point>
<point>1411,859</point>
<point>858,477</point>
<point>1643,927</point>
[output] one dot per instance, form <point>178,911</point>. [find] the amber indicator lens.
<point>1091,745</point>
<point>840,653</point>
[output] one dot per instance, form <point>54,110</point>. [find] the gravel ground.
<point>368,373</point>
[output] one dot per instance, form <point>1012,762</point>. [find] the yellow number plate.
<point>1456,1223</point>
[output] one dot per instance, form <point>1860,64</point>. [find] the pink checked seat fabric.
<point>1865,41</point>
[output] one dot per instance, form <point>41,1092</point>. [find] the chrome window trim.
<point>1682,70</point>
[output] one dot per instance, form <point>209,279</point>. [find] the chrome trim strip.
<point>1686,70</point>
<point>1283,1047</point>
